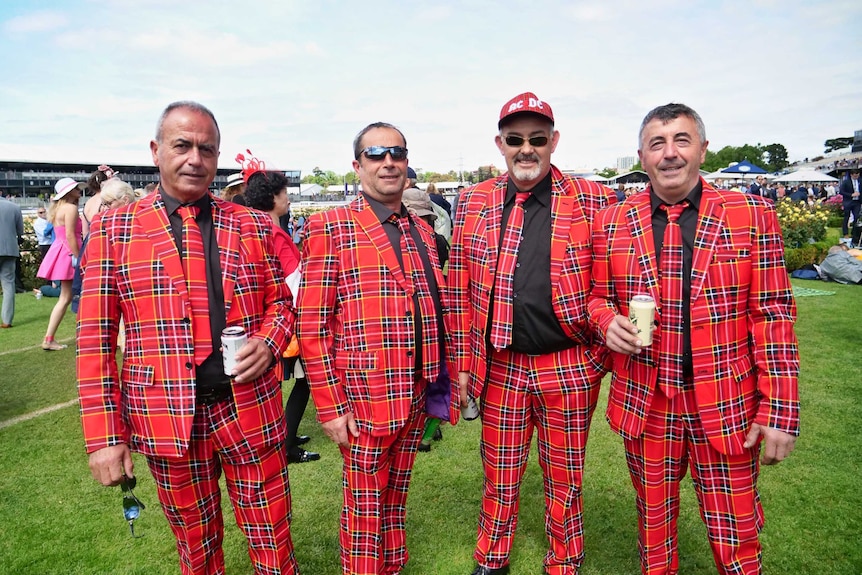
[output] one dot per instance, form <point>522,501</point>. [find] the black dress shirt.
<point>393,232</point>
<point>687,226</point>
<point>535,327</point>
<point>209,375</point>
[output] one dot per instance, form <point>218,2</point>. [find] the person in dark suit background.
<point>757,188</point>
<point>850,200</point>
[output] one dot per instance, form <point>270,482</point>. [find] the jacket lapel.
<point>154,222</point>
<point>709,225</point>
<point>227,233</point>
<point>566,216</point>
<point>639,221</point>
<point>493,215</point>
<point>368,222</point>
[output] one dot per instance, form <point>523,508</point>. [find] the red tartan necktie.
<point>670,348</point>
<point>414,272</point>
<point>501,320</point>
<point>195,268</point>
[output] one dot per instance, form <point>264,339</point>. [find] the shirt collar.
<point>693,198</point>
<point>172,204</point>
<point>541,191</point>
<point>382,212</point>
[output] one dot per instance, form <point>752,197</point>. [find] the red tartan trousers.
<point>257,484</point>
<point>376,477</point>
<point>553,394</point>
<point>725,486</point>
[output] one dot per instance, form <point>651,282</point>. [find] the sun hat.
<point>525,103</point>
<point>234,179</point>
<point>418,202</point>
<point>64,186</point>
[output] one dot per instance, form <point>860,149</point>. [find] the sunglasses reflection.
<point>132,506</point>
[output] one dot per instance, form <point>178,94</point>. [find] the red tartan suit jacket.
<point>473,267</point>
<point>355,324</point>
<point>132,269</point>
<point>744,349</point>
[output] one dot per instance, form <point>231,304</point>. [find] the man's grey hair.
<point>357,141</point>
<point>668,113</point>
<point>188,105</point>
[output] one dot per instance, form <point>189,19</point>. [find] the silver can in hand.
<point>470,410</point>
<point>642,314</point>
<point>232,340</point>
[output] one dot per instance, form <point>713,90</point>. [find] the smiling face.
<point>384,179</point>
<point>527,164</point>
<point>187,154</point>
<point>671,153</point>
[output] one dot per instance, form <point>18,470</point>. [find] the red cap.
<point>526,102</point>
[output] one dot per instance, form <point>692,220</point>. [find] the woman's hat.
<point>64,186</point>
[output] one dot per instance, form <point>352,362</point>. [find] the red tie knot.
<point>521,197</point>
<point>674,211</point>
<point>188,212</point>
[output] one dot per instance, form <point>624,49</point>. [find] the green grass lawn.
<point>55,519</point>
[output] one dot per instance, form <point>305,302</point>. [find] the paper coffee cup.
<point>642,314</point>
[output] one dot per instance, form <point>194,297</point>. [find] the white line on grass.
<point>37,346</point>
<point>36,413</point>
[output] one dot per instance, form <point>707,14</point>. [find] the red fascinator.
<point>249,164</point>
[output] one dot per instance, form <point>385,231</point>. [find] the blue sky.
<point>294,80</point>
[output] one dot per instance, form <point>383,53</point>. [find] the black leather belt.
<point>209,396</point>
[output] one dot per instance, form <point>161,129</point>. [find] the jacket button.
<point>187,320</point>
<point>189,365</point>
<point>409,354</point>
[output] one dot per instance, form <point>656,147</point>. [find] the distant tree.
<point>321,178</point>
<point>607,173</point>
<point>721,159</point>
<point>833,144</point>
<point>486,172</point>
<point>776,157</point>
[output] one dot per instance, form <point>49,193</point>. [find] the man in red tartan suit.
<point>718,384</point>
<point>523,347</point>
<point>370,328</point>
<point>172,401</point>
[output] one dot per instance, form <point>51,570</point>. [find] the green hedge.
<point>30,257</point>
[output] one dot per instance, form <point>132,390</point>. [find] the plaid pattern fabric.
<point>132,268</point>
<point>195,268</point>
<point>501,318</point>
<point>670,369</point>
<point>376,475</point>
<point>725,486</point>
<point>414,272</point>
<point>257,483</point>
<point>355,326</point>
<point>357,339</point>
<point>473,263</point>
<point>744,350</point>
<point>554,395</point>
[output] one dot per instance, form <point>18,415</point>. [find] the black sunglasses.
<point>132,506</point>
<point>377,153</point>
<point>535,141</point>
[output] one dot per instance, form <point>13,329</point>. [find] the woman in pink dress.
<point>59,262</point>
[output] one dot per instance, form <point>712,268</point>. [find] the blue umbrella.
<point>744,167</point>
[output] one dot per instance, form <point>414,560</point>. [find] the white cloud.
<point>41,21</point>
